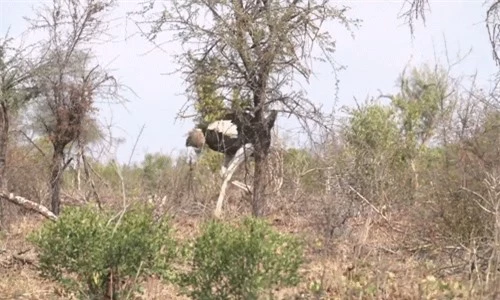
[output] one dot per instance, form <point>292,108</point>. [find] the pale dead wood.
<point>28,204</point>
<point>239,158</point>
<point>245,187</point>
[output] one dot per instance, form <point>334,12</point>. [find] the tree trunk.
<point>4,140</point>
<point>261,151</point>
<point>55,178</point>
<point>261,139</point>
<point>78,173</point>
<point>259,184</point>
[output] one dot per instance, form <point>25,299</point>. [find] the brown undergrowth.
<point>374,260</point>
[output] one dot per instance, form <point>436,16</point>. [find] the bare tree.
<point>257,47</point>
<point>70,80</point>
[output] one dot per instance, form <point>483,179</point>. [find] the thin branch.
<point>493,26</point>
<point>477,202</point>
<point>135,144</point>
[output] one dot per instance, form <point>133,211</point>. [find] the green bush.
<point>230,262</point>
<point>155,169</point>
<point>97,253</point>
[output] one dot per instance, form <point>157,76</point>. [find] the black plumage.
<point>231,133</point>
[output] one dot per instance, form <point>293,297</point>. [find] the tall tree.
<point>422,104</point>
<point>15,91</point>
<point>260,46</point>
<point>70,79</point>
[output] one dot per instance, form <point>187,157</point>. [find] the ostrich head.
<point>196,139</point>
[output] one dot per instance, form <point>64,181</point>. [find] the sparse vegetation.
<point>398,199</point>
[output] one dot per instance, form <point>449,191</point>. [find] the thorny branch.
<point>255,45</point>
<point>416,10</point>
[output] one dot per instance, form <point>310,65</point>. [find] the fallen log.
<point>28,204</point>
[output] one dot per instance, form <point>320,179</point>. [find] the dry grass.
<point>361,265</point>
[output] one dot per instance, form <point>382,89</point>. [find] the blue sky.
<point>374,58</point>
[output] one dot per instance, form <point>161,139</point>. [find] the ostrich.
<point>234,136</point>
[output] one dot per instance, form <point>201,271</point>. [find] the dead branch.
<point>24,260</point>
<point>416,10</point>
<point>380,213</point>
<point>28,204</point>
<point>493,26</point>
<point>135,144</point>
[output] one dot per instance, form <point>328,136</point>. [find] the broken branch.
<point>28,204</point>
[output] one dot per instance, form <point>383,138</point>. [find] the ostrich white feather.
<point>226,127</point>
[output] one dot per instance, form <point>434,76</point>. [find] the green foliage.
<point>372,135</point>
<point>241,262</point>
<point>410,120</point>
<point>390,143</point>
<point>154,167</point>
<point>108,172</point>
<point>421,104</point>
<point>239,102</point>
<point>210,104</point>
<point>298,163</point>
<point>467,163</point>
<point>132,175</point>
<point>484,143</point>
<point>372,128</point>
<point>297,159</point>
<point>87,250</point>
<point>374,145</point>
<point>211,160</point>
<point>14,92</point>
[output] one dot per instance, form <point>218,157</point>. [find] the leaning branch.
<point>492,26</point>
<point>29,205</point>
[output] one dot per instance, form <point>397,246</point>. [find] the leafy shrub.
<point>211,160</point>
<point>230,262</point>
<point>298,164</point>
<point>97,253</point>
<point>155,168</point>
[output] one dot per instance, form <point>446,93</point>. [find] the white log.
<point>245,187</point>
<point>44,211</point>
<point>239,158</point>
